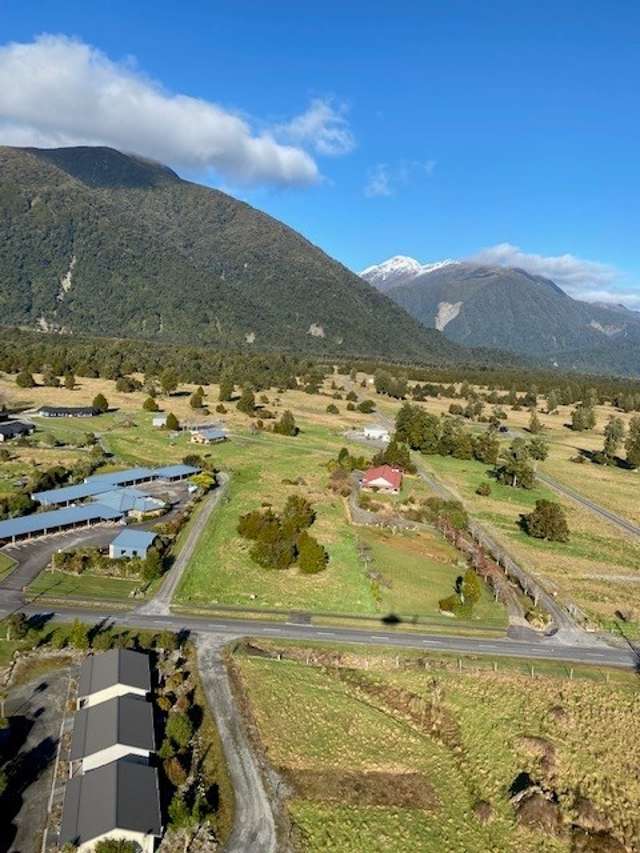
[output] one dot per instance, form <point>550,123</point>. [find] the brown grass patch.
<point>372,788</point>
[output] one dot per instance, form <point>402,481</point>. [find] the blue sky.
<point>504,130</point>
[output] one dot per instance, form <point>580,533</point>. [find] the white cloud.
<point>385,179</point>
<point>566,270</point>
<point>591,281</point>
<point>378,182</point>
<point>60,91</point>
<point>323,126</point>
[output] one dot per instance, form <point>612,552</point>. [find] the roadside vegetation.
<point>443,754</point>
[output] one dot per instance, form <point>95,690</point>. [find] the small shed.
<point>131,543</point>
<point>376,433</point>
<point>160,421</point>
<point>210,435</point>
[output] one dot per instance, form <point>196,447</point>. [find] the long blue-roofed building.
<point>43,523</point>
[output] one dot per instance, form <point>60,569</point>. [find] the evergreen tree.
<point>100,403</point>
<point>513,468</point>
<point>286,425</point>
<point>69,381</point>
<point>247,402</point>
<point>632,444</point>
<point>169,380</point>
<point>225,392</point>
<point>583,418</point>
<point>24,379</point>
<point>312,557</point>
<point>535,425</point>
<point>552,402</point>
<point>196,401</point>
<point>538,448</point>
<point>613,437</point>
<point>172,423</point>
<point>150,405</point>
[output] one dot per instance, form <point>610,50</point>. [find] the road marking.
<point>324,634</point>
<point>373,637</point>
<point>273,630</point>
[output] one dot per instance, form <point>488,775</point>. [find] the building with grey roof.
<point>117,800</point>
<point>14,429</point>
<point>111,730</point>
<point>113,673</point>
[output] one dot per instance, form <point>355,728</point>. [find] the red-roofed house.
<point>384,478</point>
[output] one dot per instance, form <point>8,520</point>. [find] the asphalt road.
<point>543,648</point>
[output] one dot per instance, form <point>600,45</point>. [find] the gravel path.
<point>254,825</point>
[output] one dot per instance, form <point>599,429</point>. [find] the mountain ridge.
<point>95,241</point>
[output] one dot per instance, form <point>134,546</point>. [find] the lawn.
<point>6,565</point>
<point>381,756</point>
<point>85,586</point>
<point>598,569</point>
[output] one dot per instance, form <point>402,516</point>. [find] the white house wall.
<point>108,693</point>
<point>113,753</point>
<point>146,842</point>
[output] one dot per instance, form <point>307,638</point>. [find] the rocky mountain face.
<point>98,242</point>
<point>511,309</point>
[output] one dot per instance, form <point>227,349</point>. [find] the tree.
<point>150,405</point>
<point>552,402</point>
<point>535,425</point>
<point>486,448</point>
<point>632,444</point>
<point>583,417</point>
<point>613,437</point>
<point>312,557</point>
<point>100,403</point>
<point>332,409</point>
<point>247,402</point>
<point>50,379</point>
<point>69,381</point>
<point>172,423</point>
<point>179,814</point>
<point>538,448</point>
<point>366,407</point>
<point>286,425</point>
<point>298,514</point>
<point>167,640</point>
<point>169,380</point>
<point>179,729</point>
<point>395,454</point>
<point>17,626</point>
<point>24,379</point>
<point>547,521</point>
<point>79,635</point>
<point>196,400</point>
<point>226,389</point>
<point>513,468</point>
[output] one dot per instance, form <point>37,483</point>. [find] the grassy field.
<point>597,569</point>
<point>85,586</point>
<point>388,756</point>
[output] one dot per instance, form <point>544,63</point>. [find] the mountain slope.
<point>99,242</point>
<point>511,309</point>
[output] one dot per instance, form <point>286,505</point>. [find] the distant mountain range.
<point>94,241</point>
<point>510,309</point>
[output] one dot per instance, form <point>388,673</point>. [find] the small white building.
<point>113,673</point>
<point>377,433</point>
<point>159,421</point>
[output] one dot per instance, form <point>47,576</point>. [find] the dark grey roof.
<point>11,428</point>
<point>120,795</point>
<point>125,720</point>
<point>117,666</point>
<point>68,410</point>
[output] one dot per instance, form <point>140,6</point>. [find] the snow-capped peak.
<point>399,270</point>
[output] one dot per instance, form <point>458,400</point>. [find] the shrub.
<point>547,521</point>
<point>221,409</point>
<point>180,730</point>
<point>100,403</point>
<point>366,407</point>
<point>312,557</point>
<point>484,489</point>
<point>286,425</point>
<point>24,379</point>
<point>174,771</point>
<point>172,423</point>
<point>115,845</point>
<point>332,410</point>
<point>150,405</point>
<point>351,407</point>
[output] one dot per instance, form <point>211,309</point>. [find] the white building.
<point>377,433</point>
<point>113,673</point>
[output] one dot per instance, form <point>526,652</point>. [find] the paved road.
<point>254,825</point>
<point>587,503</point>
<point>546,648</point>
<point>160,603</point>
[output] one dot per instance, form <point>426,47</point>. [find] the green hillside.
<point>97,242</point>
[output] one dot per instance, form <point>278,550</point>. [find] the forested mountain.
<point>95,241</point>
<point>512,309</point>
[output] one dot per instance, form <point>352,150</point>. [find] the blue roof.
<point>41,521</point>
<point>126,476</point>
<point>71,493</point>
<point>137,540</point>
<point>128,500</point>
<point>212,432</point>
<point>176,471</point>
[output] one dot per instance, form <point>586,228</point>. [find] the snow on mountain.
<point>399,270</point>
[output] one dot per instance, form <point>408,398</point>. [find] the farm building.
<point>376,433</point>
<point>384,478</point>
<point>131,543</point>
<point>113,673</point>
<point>70,494</point>
<point>43,523</point>
<point>173,473</point>
<point>208,435</point>
<point>111,730</point>
<point>68,412</point>
<point>128,477</point>
<point>120,800</point>
<point>14,429</point>
<point>159,421</point>
<point>131,502</point>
